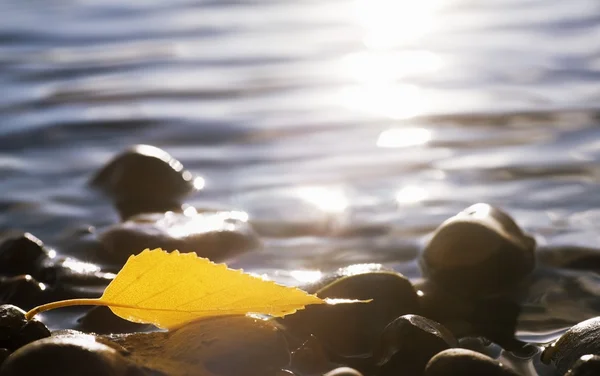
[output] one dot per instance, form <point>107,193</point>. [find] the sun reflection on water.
<point>329,200</point>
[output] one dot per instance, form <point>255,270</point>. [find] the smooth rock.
<point>310,358</point>
<point>217,235</point>
<point>21,255</point>
<point>101,320</point>
<point>408,343</point>
<point>23,291</point>
<point>463,362</point>
<point>587,365</point>
<point>12,320</point>
<point>479,251</point>
<point>221,346</point>
<point>145,179</point>
<point>343,371</point>
<point>581,339</point>
<point>351,330</point>
<point>68,355</point>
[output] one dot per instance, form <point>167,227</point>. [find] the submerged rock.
<point>479,251</point>
<point>216,235</point>
<point>221,346</point>
<point>101,320</point>
<point>351,330</point>
<point>145,179</point>
<point>581,339</point>
<point>408,343</point>
<point>459,362</point>
<point>69,355</point>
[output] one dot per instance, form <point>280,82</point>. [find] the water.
<point>348,130</point>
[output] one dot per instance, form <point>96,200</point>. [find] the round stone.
<point>343,371</point>
<point>351,330</point>
<point>145,179</point>
<point>581,339</point>
<point>454,362</point>
<point>408,343</point>
<point>215,235</point>
<point>69,355</point>
<point>479,251</point>
<point>587,365</point>
<point>21,255</point>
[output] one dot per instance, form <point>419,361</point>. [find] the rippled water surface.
<point>348,130</point>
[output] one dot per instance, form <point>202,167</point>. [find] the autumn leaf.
<point>172,289</point>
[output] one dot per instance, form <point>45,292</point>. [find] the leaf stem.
<point>63,303</point>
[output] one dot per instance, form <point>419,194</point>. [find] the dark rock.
<point>23,291</point>
<point>463,362</point>
<point>21,255</point>
<point>31,331</point>
<point>218,235</point>
<point>68,355</point>
<point>408,343</point>
<point>587,365</point>
<point>479,251</point>
<point>581,339</point>
<point>343,371</point>
<point>223,346</point>
<point>4,353</point>
<point>101,320</point>
<point>145,179</point>
<point>285,372</point>
<point>12,320</point>
<point>310,358</point>
<point>351,330</point>
<point>494,317</point>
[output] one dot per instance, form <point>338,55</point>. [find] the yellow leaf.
<point>172,289</point>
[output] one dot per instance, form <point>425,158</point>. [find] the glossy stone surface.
<point>145,179</point>
<point>343,371</point>
<point>459,362</point>
<point>479,251</point>
<point>68,355</point>
<point>101,320</point>
<point>587,365</point>
<point>581,339</point>
<point>21,254</point>
<point>216,235</point>
<point>223,346</point>
<point>408,343</point>
<point>352,329</point>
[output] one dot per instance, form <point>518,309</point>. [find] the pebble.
<point>215,235</point>
<point>101,320</point>
<point>343,371</point>
<point>68,355</point>
<point>223,346</point>
<point>145,179</point>
<point>351,330</point>
<point>463,362</point>
<point>22,254</point>
<point>16,330</point>
<point>587,365</point>
<point>479,251</point>
<point>408,343</point>
<point>581,339</point>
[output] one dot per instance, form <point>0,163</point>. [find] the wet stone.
<point>145,179</point>
<point>216,235</point>
<point>310,358</point>
<point>23,291</point>
<point>68,355</point>
<point>463,362</point>
<point>4,353</point>
<point>223,346</point>
<point>408,343</point>
<point>351,330</point>
<point>101,320</point>
<point>343,371</point>
<point>479,251</point>
<point>21,255</point>
<point>12,320</point>
<point>587,365</point>
<point>581,339</point>
<point>32,331</point>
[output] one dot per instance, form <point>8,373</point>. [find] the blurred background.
<point>347,129</point>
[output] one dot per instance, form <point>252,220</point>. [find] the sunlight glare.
<point>390,23</point>
<point>403,137</point>
<point>393,101</point>
<point>330,200</point>
<point>306,276</point>
<point>411,195</point>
